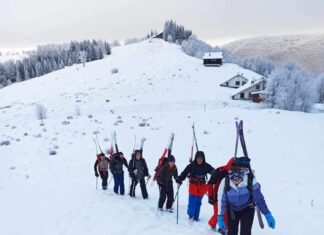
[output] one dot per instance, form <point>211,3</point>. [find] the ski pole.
<point>109,181</point>
<point>96,153</point>
<point>148,179</point>
<point>178,204</point>
<point>176,195</point>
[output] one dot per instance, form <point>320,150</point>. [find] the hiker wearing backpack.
<point>213,184</point>
<point>116,168</point>
<point>164,180</point>
<point>241,194</point>
<point>101,165</point>
<point>197,172</point>
<point>138,170</point>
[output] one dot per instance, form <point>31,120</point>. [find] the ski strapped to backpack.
<point>167,150</point>
<point>194,142</point>
<point>115,141</point>
<point>142,144</point>
<point>240,137</point>
<point>98,144</point>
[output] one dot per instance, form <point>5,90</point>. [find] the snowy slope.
<point>159,85</point>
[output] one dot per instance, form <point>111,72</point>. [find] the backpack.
<point>103,163</point>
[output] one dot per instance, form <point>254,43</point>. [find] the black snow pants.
<point>142,185</point>
<point>104,177</point>
<point>166,192</point>
<point>244,218</point>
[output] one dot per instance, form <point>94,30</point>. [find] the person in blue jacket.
<point>241,195</point>
<point>116,168</point>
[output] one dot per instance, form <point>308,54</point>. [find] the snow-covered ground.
<point>159,85</point>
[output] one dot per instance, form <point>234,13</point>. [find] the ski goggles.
<point>237,173</point>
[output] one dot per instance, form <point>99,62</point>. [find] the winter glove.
<point>96,174</point>
<point>211,200</point>
<point>135,172</point>
<point>132,175</point>
<point>178,181</point>
<point>271,221</point>
<point>221,223</point>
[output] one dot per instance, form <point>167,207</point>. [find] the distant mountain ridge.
<point>306,50</point>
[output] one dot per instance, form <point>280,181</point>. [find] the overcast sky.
<point>25,23</point>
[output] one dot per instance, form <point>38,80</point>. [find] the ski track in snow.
<point>158,85</point>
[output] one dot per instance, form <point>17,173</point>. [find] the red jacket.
<point>216,178</point>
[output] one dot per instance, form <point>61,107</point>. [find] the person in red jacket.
<point>213,184</point>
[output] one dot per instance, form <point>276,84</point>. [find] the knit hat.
<point>171,158</point>
<point>242,161</point>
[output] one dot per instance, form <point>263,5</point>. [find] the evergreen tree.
<point>83,57</point>
<point>19,76</point>
<point>26,72</point>
<point>39,69</point>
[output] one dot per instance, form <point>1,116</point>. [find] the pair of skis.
<point>113,144</point>
<point>240,137</point>
<point>167,152</point>
<point>194,142</point>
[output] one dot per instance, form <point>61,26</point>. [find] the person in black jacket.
<point>137,169</point>
<point>164,180</point>
<point>116,168</point>
<point>101,165</point>
<point>197,172</point>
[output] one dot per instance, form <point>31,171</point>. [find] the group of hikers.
<point>240,199</point>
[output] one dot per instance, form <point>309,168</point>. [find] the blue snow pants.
<point>194,207</point>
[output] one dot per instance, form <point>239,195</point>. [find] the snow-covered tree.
<point>170,38</point>
<point>259,65</point>
<point>26,71</point>
<point>39,69</point>
<point>3,79</point>
<point>319,87</point>
<point>18,73</point>
<point>115,43</point>
<point>83,57</point>
<point>290,88</point>
<point>195,47</point>
<point>177,32</point>
<point>99,52</point>
<point>132,40</point>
